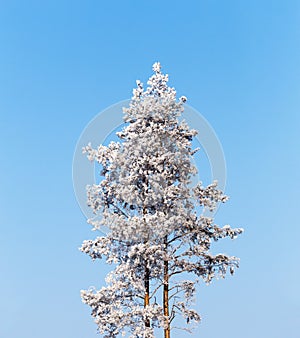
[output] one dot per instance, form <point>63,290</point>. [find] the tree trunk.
<point>147,271</point>
<point>147,291</point>
<point>166,295</point>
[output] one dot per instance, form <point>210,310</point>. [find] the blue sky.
<point>62,62</point>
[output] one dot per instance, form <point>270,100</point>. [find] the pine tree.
<point>158,234</point>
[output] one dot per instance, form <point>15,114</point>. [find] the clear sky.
<point>62,62</point>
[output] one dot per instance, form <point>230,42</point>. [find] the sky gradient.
<point>62,62</point>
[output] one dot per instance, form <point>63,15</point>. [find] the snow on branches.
<point>156,232</point>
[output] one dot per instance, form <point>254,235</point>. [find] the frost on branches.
<point>158,236</point>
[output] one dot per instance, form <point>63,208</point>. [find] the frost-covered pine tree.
<point>159,239</point>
